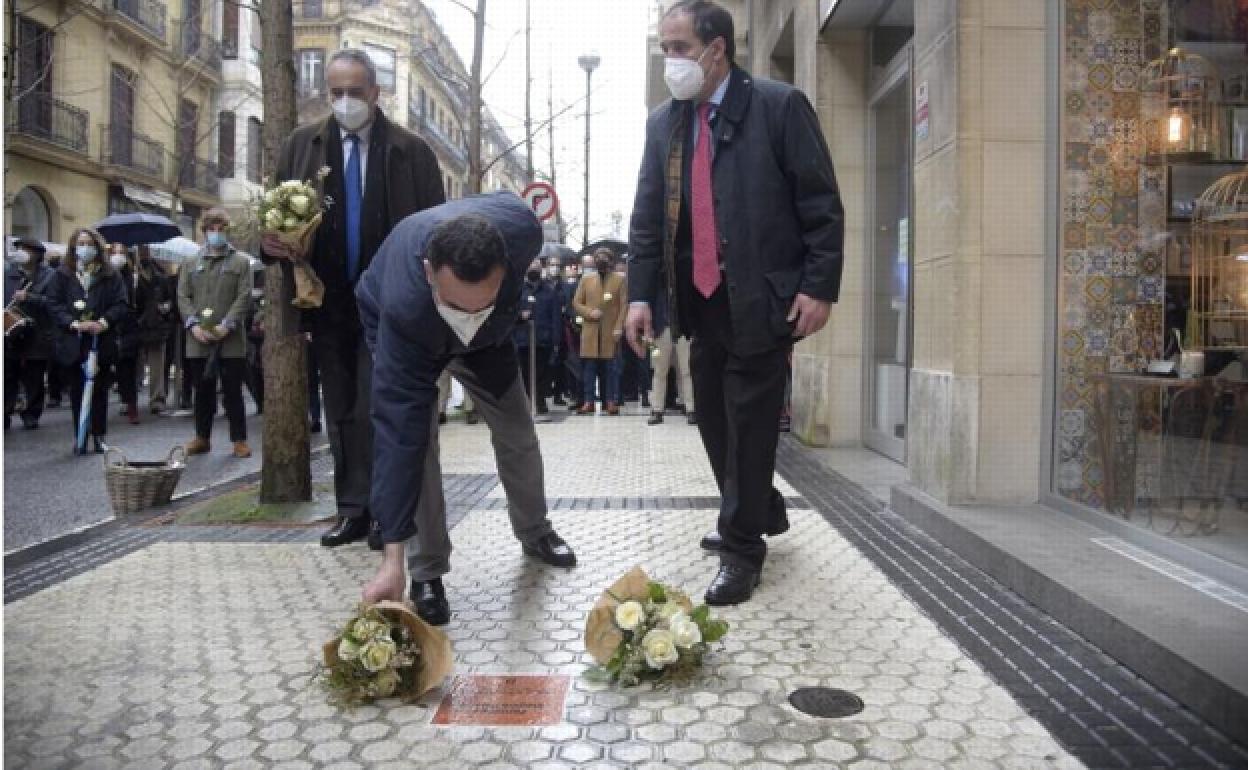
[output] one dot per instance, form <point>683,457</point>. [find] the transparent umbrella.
<point>175,249</point>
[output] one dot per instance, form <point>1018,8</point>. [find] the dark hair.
<point>469,245</point>
<point>709,22</point>
<point>71,255</point>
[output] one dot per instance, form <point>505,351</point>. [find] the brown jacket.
<point>403,177</point>
<point>599,338</point>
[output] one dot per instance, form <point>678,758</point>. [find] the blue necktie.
<point>355,201</point>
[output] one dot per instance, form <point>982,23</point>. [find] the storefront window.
<point>1133,440</point>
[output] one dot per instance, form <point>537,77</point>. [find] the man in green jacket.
<point>214,290</point>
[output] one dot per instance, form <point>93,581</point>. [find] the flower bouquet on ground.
<point>640,630</point>
<point>291,212</point>
<point>385,650</point>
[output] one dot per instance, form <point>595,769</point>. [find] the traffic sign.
<point>542,199</point>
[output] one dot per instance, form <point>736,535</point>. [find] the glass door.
<point>888,306</point>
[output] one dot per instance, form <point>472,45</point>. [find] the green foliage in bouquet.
<point>664,638</point>
<point>374,657</point>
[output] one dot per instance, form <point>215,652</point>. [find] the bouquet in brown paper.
<point>640,630</point>
<point>385,651</point>
<point>291,212</point>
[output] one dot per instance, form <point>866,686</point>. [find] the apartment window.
<point>255,150</point>
<point>422,96</point>
<point>383,59</point>
<point>34,59</point>
<point>311,71</point>
<point>225,145</point>
<point>257,35</point>
<point>312,9</point>
<point>229,29</point>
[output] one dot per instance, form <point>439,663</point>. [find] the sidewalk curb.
<point>29,554</point>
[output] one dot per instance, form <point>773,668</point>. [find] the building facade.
<point>240,116</point>
<point>113,108</point>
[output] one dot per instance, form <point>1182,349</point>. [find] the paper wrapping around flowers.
<point>602,635</point>
<point>436,659</point>
<point>309,290</point>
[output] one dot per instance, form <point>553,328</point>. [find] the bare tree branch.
<point>501,58</point>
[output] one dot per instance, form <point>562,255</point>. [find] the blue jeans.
<point>590,367</point>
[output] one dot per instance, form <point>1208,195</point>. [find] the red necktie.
<point>705,242</point>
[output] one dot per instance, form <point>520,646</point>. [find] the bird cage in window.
<point>1220,265</point>
<point>1187,90</point>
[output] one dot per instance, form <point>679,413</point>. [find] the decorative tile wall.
<point>1112,214</point>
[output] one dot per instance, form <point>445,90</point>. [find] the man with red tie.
<point>738,221</point>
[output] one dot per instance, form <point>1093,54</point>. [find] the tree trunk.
<point>286,473</point>
<point>474,117</point>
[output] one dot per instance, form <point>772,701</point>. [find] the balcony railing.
<point>194,44</point>
<point>42,116</point>
<point>148,14</point>
<point>123,147</point>
<point>430,131</point>
<point>196,174</point>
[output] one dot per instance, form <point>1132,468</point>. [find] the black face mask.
<point>533,275</point>
<point>604,267</point>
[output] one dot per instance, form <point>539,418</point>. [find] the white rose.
<point>299,204</point>
<point>685,631</point>
<point>290,224</point>
<point>376,654</point>
<point>579,320</point>
<point>660,648</point>
<point>273,219</point>
<point>348,650</point>
<point>630,615</point>
<point>80,306</point>
<point>606,297</point>
<point>365,628</point>
<point>206,313</point>
<point>290,184</point>
<point>270,197</point>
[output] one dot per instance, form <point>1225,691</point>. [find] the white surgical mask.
<point>465,325</point>
<point>351,113</point>
<point>85,253</point>
<point>19,257</point>
<point>118,261</point>
<point>217,239</point>
<point>684,76</point>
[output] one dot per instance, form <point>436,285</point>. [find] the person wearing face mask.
<point>750,260</point>
<point>157,310</point>
<point>379,173</point>
<point>540,304</point>
<point>444,292</point>
<point>599,302</point>
<point>87,300</point>
<point>571,337</point>
<point>128,333</point>
<point>214,292</point>
<point>28,348</point>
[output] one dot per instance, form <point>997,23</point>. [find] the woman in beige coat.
<point>601,304</point>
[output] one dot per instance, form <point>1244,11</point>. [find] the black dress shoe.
<point>30,424</point>
<point>655,418</point>
<point>430,599</point>
<point>732,585</point>
<point>711,541</point>
<point>375,543</point>
<point>97,445</point>
<point>551,549</point>
<point>346,530</point>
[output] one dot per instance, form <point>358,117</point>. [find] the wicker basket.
<point>135,486</point>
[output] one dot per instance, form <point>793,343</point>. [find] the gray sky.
<point>563,30</point>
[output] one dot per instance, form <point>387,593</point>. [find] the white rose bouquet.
<point>385,651</point>
<point>291,211</point>
<point>641,630</point>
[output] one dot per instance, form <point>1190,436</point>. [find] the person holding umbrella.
<point>87,300</point>
<point>214,291</point>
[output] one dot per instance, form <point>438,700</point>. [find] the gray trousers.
<point>519,460</point>
<point>346,382</point>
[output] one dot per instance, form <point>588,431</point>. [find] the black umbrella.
<point>136,228</point>
<point>619,247</point>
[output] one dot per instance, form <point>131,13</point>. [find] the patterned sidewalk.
<point>196,646</point>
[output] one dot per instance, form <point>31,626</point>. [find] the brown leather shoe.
<point>241,449</point>
<point>198,446</point>
<point>586,408</point>
<point>612,408</point>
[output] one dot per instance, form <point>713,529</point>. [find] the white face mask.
<point>19,257</point>
<point>684,76</point>
<point>118,261</point>
<point>351,113</point>
<point>465,325</point>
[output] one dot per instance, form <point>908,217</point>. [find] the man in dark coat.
<point>542,306</point>
<point>28,347</point>
<point>379,174</point>
<point>444,292</point>
<point>748,248</point>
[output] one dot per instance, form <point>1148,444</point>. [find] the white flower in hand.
<point>630,615</point>
<point>348,650</point>
<point>206,313</point>
<point>80,306</point>
<point>376,654</point>
<point>607,297</point>
<point>579,320</point>
<point>273,219</point>
<point>290,224</point>
<point>684,631</point>
<point>270,197</point>
<point>299,204</point>
<point>659,647</point>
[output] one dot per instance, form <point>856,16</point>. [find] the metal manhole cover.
<point>825,702</point>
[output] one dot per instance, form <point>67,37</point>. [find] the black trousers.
<point>346,369</point>
<point>739,400</point>
<point>127,380</point>
<point>232,373</point>
<point>99,395</point>
<point>29,375</point>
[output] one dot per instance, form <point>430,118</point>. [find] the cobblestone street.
<point>196,646</point>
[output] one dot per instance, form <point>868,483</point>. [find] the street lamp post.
<point>588,63</point>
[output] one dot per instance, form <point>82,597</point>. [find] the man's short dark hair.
<point>709,22</point>
<point>469,245</point>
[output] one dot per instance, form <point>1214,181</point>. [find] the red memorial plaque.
<point>503,701</point>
